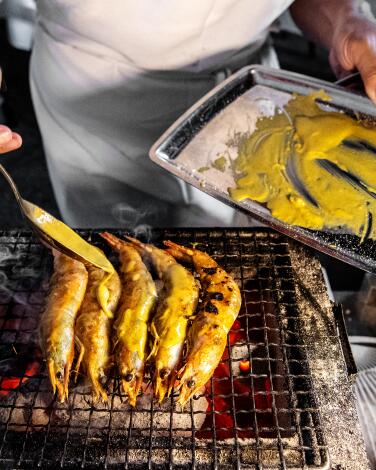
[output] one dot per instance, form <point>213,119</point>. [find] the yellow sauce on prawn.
<point>135,308</point>
<point>67,290</point>
<point>207,337</point>
<point>93,328</point>
<point>103,295</point>
<point>176,306</point>
<point>311,167</point>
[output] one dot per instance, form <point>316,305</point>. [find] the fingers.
<point>5,135</point>
<point>365,61</point>
<point>9,140</point>
<point>370,86</point>
<point>354,47</point>
<point>339,70</point>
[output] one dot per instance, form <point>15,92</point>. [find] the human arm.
<point>345,31</point>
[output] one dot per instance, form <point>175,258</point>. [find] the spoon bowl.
<point>55,234</point>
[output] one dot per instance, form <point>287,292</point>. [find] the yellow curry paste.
<point>311,167</point>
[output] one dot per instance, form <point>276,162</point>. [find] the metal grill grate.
<point>264,418</point>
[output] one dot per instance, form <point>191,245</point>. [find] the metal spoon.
<point>55,234</point>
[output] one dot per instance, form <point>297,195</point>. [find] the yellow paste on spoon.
<point>63,234</point>
<point>311,167</point>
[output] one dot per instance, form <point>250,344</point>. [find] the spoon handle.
<point>353,82</point>
<point>13,186</point>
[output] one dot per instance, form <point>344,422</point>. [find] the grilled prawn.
<point>67,290</point>
<point>169,326</point>
<point>208,334</point>
<point>136,304</point>
<point>93,326</point>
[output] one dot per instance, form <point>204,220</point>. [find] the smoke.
<point>20,275</point>
<point>138,219</point>
<point>143,231</point>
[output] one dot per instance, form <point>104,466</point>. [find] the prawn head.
<point>59,377</point>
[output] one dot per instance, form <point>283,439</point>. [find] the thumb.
<point>360,53</point>
<point>367,69</point>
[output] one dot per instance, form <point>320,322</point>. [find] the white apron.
<point>108,77</point>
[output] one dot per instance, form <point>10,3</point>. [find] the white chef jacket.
<point>108,77</point>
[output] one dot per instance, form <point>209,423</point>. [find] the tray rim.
<point>261,75</point>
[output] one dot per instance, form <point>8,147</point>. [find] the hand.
<point>9,140</point>
<point>354,48</point>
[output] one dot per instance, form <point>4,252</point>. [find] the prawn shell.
<point>67,290</point>
<point>207,337</point>
<point>176,306</point>
<point>131,325</point>
<point>93,329</point>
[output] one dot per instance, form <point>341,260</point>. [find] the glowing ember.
<point>17,365</point>
<point>244,366</point>
<point>234,400</point>
<point>8,384</point>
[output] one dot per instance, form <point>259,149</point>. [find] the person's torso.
<point>162,34</point>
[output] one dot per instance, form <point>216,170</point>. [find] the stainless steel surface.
<point>365,388</point>
<point>28,210</point>
<point>364,350</point>
<point>214,126</point>
<point>334,390</point>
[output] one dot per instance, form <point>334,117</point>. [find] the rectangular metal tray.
<point>213,126</point>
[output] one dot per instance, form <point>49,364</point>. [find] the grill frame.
<point>314,455</point>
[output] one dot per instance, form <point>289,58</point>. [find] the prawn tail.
<point>180,253</point>
<point>115,242</point>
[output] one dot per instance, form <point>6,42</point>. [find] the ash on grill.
<point>266,415</point>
